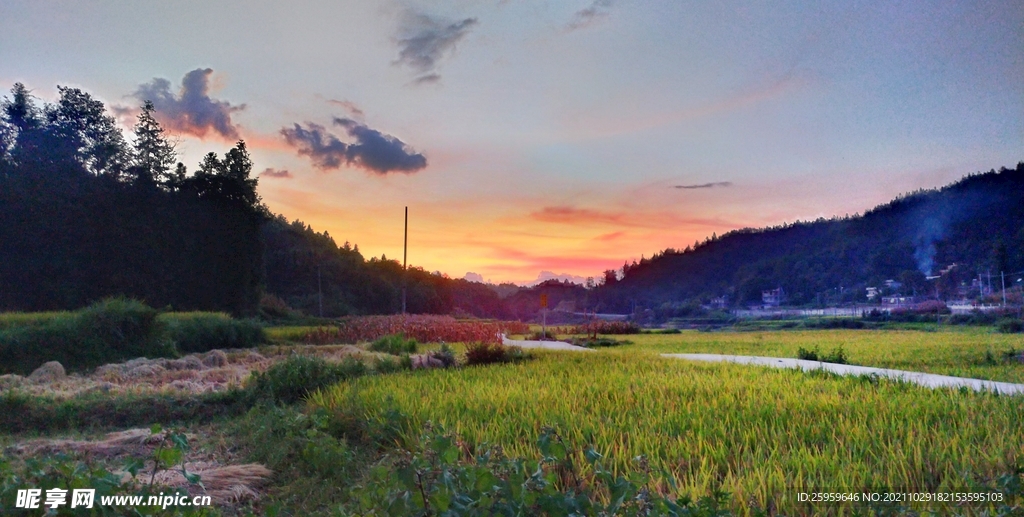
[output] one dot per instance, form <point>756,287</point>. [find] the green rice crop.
<point>761,434</point>
<point>959,352</point>
<point>21,319</point>
<point>289,332</point>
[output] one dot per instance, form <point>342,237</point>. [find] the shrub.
<point>445,354</point>
<point>836,356</point>
<point>541,336</point>
<point>294,378</point>
<point>392,365</point>
<point>599,342</point>
<point>197,332</point>
<point>395,344</point>
<point>1010,326</point>
<point>807,355</point>
<point>108,331</point>
<point>293,443</point>
<point>489,353</point>
<point>276,309</point>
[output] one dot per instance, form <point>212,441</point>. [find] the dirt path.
<point>929,380</point>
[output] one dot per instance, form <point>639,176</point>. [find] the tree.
<point>22,120</point>
<point>228,180</point>
<point>154,155</point>
<point>86,134</point>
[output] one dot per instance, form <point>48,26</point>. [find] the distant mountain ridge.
<point>976,223</point>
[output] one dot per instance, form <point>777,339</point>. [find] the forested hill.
<point>976,223</point>
<point>86,214</point>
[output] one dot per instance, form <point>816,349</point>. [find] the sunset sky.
<point>563,136</point>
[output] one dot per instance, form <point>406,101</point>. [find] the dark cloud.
<point>274,173</point>
<point>707,185</point>
<point>372,150</point>
<point>585,17</point>
<point>349,106</point>
<point>423,40</point>
<point>192,110</point>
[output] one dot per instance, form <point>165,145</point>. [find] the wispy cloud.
<point>371,150</point>
<point>276,173</point>
<point>706,185</point>
<point>348,106</point>
<point>583,18</point>
<point>191,110</point>
<point>585,216</point>
<point>424,40</point>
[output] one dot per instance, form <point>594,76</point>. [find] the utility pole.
<point>319,290</point>
<point>1002,277</point>
<point>405,255</point>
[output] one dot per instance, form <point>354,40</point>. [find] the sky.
<point>532,139</point>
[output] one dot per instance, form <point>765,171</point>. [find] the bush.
<point>392,365</point>
<point>197,332</point>
<point>108,331</point>
<point>599,342</point>
<point>836,356</point>
<point>489,353</point>
<point>541,336</point>
<point>395,344</point>
<point>1010,326</point>
<point>289,441</point>
<point>807,355</point>
<point>445,354</point>
<point>432,479</point>
<point>292,379</point>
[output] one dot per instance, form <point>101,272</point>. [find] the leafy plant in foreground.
<point>430,479</point>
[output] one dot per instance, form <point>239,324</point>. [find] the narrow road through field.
<point>929,380</point>
<point>549,345</point>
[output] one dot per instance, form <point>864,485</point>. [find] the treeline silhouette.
<point>976,223</point>
<point>87,214</point>
<point>84,214</point>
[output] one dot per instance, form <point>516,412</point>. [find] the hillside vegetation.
<point>976,223</point>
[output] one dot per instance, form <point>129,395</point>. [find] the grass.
<point>959,351</point>
<point>288,333</point>
<point>20,319</point>
<point>760,434</point>
<point>21,413</point>
<point>112,330</point>
<point>106,331</point>
<point>195,332</point>
<point>757,433</point>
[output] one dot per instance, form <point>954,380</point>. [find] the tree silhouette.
<point>153,154</point>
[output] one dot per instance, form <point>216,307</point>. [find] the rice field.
<point>962,352</point>
<point>761,434</point>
